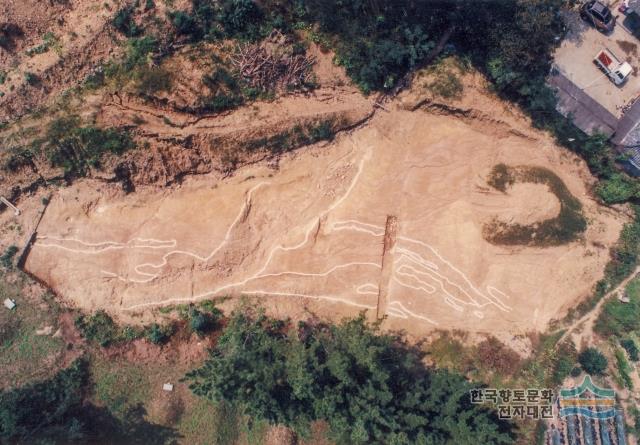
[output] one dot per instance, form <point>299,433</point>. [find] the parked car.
<point>617,71</point>
<point>599,15</point>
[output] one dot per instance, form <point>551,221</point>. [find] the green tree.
<point>201,322</point>
<point>593,361</point>
<point>99,328</point>
<point>368,386</point>
<point>632,349</point>
<point>159,334</point>
<point>46,410</point>
<point>617,188</point>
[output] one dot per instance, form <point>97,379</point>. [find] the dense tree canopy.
<point>45,409</point>
<point>369,387</point>
<point>593,361</point>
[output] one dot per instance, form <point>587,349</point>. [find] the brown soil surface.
<point>83,39</point>
<point>309,236</point>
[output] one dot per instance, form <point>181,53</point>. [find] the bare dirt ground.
<point>315,234</point>
<point>82,39</point>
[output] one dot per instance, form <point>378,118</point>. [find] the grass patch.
<point>620,319</point>
<point>564,228</point>
<point>25,356</point>
<point>624,369</point>
<point>205,422</point>
<point>444,78</point>
<point>120,387</point>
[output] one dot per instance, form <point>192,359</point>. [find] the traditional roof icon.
<point>588,400</point>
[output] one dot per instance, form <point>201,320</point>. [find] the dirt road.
<point>586,322</point>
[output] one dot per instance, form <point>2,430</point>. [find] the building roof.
<point>586,114</point>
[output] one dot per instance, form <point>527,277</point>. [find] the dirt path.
<point>587,321</point>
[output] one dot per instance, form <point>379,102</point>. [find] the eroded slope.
<point>313,235</point>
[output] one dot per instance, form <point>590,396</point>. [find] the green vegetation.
<point>49,41</point>
<point>566,227</point>
<point>378,42</point>
<point>31,78</point>
<point>617,188</point>
<point>158,334</point>
<point>149,81</point>
<point>299,135</point>
<point>46,410</point>
<point>630,346</point>
<point>75,148</point>
<point>204,322</point>
<point>25,355</point>
<point>618,318</point>
<point>101,329</point>
<point>593,361</point>
<point>624,260</point>
<point>124,22</point>
<point>122,388</point>
<point>7,257</point>
<point>624,368</point>
<point>237,19</point>
<point>3,77</point>
<point>225,92</point>
<point>444,78</point>
<point>369,387</point>
<point>565,363</point>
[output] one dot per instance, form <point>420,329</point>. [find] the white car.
<point>617,71</point>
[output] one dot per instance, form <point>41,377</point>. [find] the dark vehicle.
<point>599,15</point>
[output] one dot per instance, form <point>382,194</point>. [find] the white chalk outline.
<point>407,264</point>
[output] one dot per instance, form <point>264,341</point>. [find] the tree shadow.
<point>575,27</point>
<point>101,427</point>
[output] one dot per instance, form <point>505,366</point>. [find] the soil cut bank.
<point>310,236</point>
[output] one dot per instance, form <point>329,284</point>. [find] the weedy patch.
<point>564,228</point>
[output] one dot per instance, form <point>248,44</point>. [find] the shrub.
<point>630,346</point>
<point>563,368</point>
<point>185,24</point>
<point>575,372</point>
<point>159,334</point>
<point>200,323</point>
<point>99,328</point>
<point>618,188</point>
<point>69,145</point>
<point>31,78</point>
<point>593,361</point>
<point>123,21</point>
<point>623,368</point>
<point>138,51</point>
<point>7,257</point>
